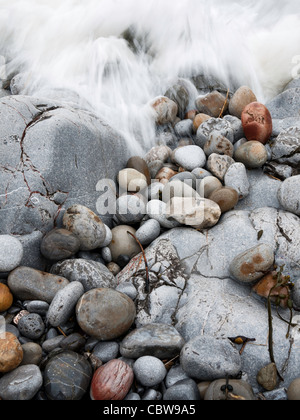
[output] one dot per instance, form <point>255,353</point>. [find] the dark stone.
<point>31,326</point>
<point>67,377</point>
<point>59,244</point>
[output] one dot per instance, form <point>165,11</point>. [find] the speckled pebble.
<point>149,371</point>
<point>11,253</point>
<point>31,326</point>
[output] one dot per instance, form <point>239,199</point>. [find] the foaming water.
<point>117,55</point>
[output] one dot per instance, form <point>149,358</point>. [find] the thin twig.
<point>225,103</point>
<point>145,259</point>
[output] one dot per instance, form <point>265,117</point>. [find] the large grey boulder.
<point>285,105</point>
<point>51,156</point>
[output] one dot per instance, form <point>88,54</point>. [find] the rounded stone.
<point>128,289</point>
<point>30,284</point>
<point>239,388</point>
<point>165,110</point>
<point>37,306</point>
<point>257,122</point>
<point>67,377</point>
<point>190,157</point>
<point>218,144</point>
<point>242,97</point>
<point>106,351</point>
<point>6,298</point>
<point>178,188</point>
<point>11,352</point>
<point>184,390</point>
<point>218,165</point>
<point>31,326</point>
<point>208,185</point>
<point>293,393</point>
<point>198,120</point>
<point>212,104</point>
<point>149,371</point>
<point>157,210</point>
<point>267,377</point>
<point>59,244</point>
<point>11,253</point>
<point>206,359</point>
<point>63,304</point>
<point>130,209</point>
<point>29,381</point>
<point>32,354</point>
<point>131,180</point>
<point>158,340</point>
<point>140,165</point>
<point>165,174</point>
<point>252,154</point>
<point>112,381</point>
<point>289,195</point>
<point>251,265</point>
<point>226,198</point>
<point>105,313</point>
<point>123,243</point>
<point>158,154</point>
<point>236,177</point>
<point>86,225</point>
<point>148,232</point>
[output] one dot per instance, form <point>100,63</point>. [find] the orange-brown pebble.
<point>6,298</point>
<point>11,352</point>
<point>266,284</point>
<point>257,122</point>
<point>198,120</point>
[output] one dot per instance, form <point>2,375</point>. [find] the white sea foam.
<point>79,45</point>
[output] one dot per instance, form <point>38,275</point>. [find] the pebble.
<point>165,174</point>
<point>105,313</point>
<point>178,188</point>
<point>131,180</point>
<point>289,195</point>
<point>165,110</point>
<point>252,154</point>
<point>112,381</point>
<point>184,128</point>
<point>218,144</point>
<point>67,377</point>
<point>11,253</point>
<point>52,343</point>
<point>32,354</point>
<point>106,351</point>
<point>263,288</point>
<point>29,284</point>
<point>158,340</point>
<point>226,197</point>
<point>128,289</point>
<point>157,210</point>
<point>257,122</point>
<point>180,95</point>
<point>267,377</point>
<point>237,127</point>
<point>31,326</point>
<point>37,306</point>
<point>86,225</point>
<point>190,157</point>
<point>130,209</point>
<point>148,232</point>
<point>63,304</point>
<point>122,243</point>
<point>197,213</point>
<point>184,390</point>
<point>198,120</point>
<point>218,165</point>
<point>218,125</point>
<point>175,374</point>
<point>236,177</point>
<point>73,342</point>
<point>106,255</point>
<point>59,244</point>
<point>187,177</point>
<point>140,165</point>
<point>201,173</point>
<point>158,154</point>
<point>11,352</point>
<point>252,264</point>
<point>293,393</point>
<point>155,167</point>
<point>91,274</point>
<point>242,97</point>
<point>149,371</point>
<point>212,104</point>
<point>6,298</point>
<point>240,389</point>
<point>155,190</point>
<point>206,358</point>
<point>29,381</point>
<point>208,185</point>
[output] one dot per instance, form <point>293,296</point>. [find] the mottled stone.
<point>140,165</point>
<point>67,377</point>
<point>11,352</point>
<point>149,371</point>
<point>59,244</point>
<point>165,110</point>
<point>212,104</point>
<point>158,340</point>
<point>217,125</point>
<point>218,144</point>
<point>86,225</point>
<point>267,377</point>
<point>239,389</point>
<point>219,164</point>
<point>28,379</point>
<point>252,154</point>
<point>226,198</point>
<point>157,210</point>
<point>198,120</point>
<point>257,122</point>
<point>184,390</point>
<point>11,253</point>
<point>29,284</point>
<point>242,97</point>
<point>158,153</point>
<point>289,195</point>
<point>105,313</point>
<point>267,284</point>
<point>31,326</point>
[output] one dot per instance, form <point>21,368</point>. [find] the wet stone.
<point>67,377</point>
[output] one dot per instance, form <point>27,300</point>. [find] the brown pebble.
<point>6,298</point>
<point>11,352</point>
<point>257,122</point>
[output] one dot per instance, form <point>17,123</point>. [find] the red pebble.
<point>257,122</point>
<point>112,381</point>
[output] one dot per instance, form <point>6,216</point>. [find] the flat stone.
<point>63,304</point>
<point>11,353</point>
<point>67,377</point>
<point>105,313</point>
<point>285,105</point>
<point>91,274</point>
<point>206,359</point>
<point>30,284</point>
<point>289,195</point>
<point>236,177</point>
<point>11,253</point>
<point>252,264</point>
<point>158,340</point>
<point>86,225</point>
<point>148,232</point>
<point>59,244</point>
<point>29,379</point>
